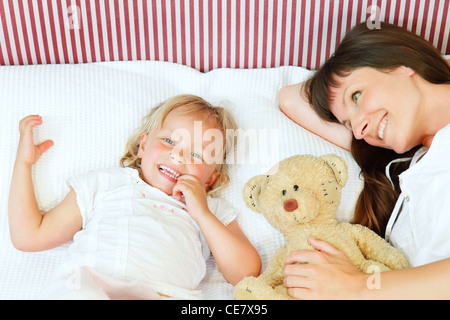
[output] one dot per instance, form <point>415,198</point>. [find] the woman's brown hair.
<point>383,49</point>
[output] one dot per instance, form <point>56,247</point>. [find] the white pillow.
<point>89,110</point>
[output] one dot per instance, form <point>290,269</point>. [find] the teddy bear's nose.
<point>290,205</point>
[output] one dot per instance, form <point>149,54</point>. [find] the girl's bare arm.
<point>29,229</point>
<point>233,252</point>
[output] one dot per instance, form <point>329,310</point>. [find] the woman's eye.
<point>355,96</point>
<point>169,141</point>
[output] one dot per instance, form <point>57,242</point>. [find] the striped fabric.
<point>204,34</point>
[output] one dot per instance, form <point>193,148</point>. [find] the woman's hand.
<point>323,274</point>
<point>27,152</point>
<point>194,194</point>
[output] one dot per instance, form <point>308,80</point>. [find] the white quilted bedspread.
<point>89,110</point>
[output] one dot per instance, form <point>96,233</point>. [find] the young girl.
<point>391,90</point>
<point>141,230</point>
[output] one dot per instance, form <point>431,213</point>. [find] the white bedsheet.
<point>89,110</point>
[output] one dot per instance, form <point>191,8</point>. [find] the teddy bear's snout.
<point>290,205</point>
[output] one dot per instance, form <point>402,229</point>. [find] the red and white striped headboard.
<point>204,34</point>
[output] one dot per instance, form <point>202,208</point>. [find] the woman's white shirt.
<point>419,224</point>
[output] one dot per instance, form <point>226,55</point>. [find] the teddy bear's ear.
<point>252,191</point>
<point>339,167</point>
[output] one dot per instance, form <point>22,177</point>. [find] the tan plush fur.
<point>300,197</point>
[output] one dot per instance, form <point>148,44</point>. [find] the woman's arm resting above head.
<point>294,105</point>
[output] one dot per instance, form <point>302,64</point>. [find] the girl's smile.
<point>169,173</point>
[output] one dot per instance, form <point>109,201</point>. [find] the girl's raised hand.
<point>27,152</point>
<point>194,194</point>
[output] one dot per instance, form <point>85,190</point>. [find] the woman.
<point>391,90</point>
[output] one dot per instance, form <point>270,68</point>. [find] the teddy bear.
<point>300,197</point>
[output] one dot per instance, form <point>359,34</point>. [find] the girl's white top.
<point>420,222</point>
<point>132,230</point>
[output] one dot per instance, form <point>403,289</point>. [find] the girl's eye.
<point>169,141</point>
<point>196,155</point>
<point>355,96</point>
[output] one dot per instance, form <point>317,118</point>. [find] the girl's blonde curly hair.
<point>188,105</point>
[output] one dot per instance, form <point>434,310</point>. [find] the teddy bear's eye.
<point>284,192</point>
<point>295,187</point>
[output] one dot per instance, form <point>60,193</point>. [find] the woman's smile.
<point>382,127</point>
